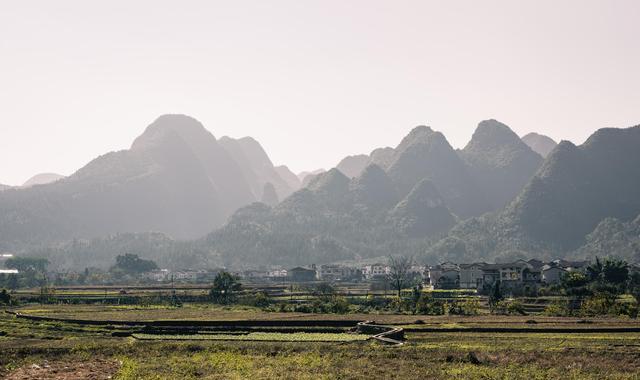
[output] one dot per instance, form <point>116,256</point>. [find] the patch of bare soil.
<point>94,369</point>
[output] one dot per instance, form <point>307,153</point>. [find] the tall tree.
<point>495,296</point>
<point>225,286</point>
<point>634,286</point>
<point>130,263</point>
<point>399,268</point>
<point>616,272</point>
<point>595,271</point>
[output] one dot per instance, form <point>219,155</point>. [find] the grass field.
<point>214,312</point>
<point>260,336</point>
<point>33,349</point>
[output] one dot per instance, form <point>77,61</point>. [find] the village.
<point>519,275</point>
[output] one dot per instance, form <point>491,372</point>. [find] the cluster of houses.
<point>187,275</point>
<point>518,274</point>
<point>481,276</point>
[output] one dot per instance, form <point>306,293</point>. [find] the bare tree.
<point>399,272</point>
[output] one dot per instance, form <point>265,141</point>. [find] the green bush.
<point>559,308</point>
<point>428,306</point>
<point>260,299</point>
<point>509,307</point>
<point>378,303</point>
<point>466,307</point>
<point>607,304</point>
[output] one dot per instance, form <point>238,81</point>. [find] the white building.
<point>277,274</point>
<point>157,275</point>
<point>375,270</point>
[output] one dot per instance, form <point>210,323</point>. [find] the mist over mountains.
<point>562,208</point>
<point>42,179</point>
<point>183,197</point>
<point>38,179</point>
<point>541,144</point>
<point>176,179</point>
<point>424,190</point>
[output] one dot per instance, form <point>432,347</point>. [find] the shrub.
<point>558,309</point>
<point>509,307</point>
<point>378,303</point>
<point>339,305</point>
<point>303,308</point>
<point>260,299</point>
<point>429,306</point>
<point>607,304</point>
<point>466,307</point>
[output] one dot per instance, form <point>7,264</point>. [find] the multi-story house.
<point>448,269</point>
<point>471,275</point>
<point>375,270</point>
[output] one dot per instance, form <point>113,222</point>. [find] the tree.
<point>5,297</point>
<point>616,272</point>
<point>13,282</point>
<point>26,264</point>
<point>32,271</point>
<point>325,291</point>
<point>608,276</point>
<point>594,271</point>
<point>225,285</point>
<point>575,284</point>
<point>129,263</point>
<point>495,295</point>
<point>399,272</point>
<point>634,286</point>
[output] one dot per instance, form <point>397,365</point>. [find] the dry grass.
<point>426,355</point>
<point>215,312</point>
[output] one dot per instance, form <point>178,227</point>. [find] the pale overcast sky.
<point>313,81</point>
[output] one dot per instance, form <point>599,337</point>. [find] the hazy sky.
<point>313,81</point>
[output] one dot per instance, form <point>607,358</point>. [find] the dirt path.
<point>95,369</point>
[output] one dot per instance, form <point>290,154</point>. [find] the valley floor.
<point>60,350</point>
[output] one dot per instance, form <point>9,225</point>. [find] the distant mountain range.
<point>227,204</point>
<point>499,162</point>
<point>541,144</point>
<point>38,179</point>
<point>256,166</point>
<point>42,179</point>
<point>352,166</point>
<point>176,179</point>
<point>361,209</point>
<point>561,209</point>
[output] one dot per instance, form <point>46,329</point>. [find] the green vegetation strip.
<point>260,336</point>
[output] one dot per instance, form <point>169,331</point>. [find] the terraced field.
<point>260,337</point>
<point>37,349</point>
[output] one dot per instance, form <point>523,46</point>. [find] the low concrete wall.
<point>384,334</point>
